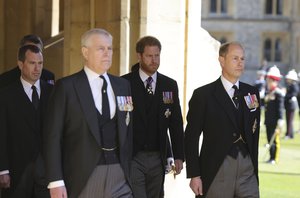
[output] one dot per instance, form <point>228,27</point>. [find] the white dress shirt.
<point>96,84</point>
<point>145,76</point>
<point>28,90</point>
<point>228,87</point>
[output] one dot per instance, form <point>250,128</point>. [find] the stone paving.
<point>178,187</point>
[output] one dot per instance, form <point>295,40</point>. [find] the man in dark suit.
<point>14,74</point>
<point>156,110</point>
<point>227,112</point>
<point>23,104</point>
<point>170,160</point>
<point>88,133</point>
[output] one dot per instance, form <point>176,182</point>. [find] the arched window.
<point>218,6</point>
<point>273,48</point>
<point>278,49</point>
<point>267,49</point>
<point>269,6</point>
<point>223,6</point>
<point>279,7</point>
<point>274,7</point>
<point>213,6</point>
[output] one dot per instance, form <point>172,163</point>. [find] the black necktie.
<point>235,97</point>
<point>149,85</point>
<point>34,97</point>
<point>105,103</point>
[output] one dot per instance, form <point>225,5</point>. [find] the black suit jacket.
<point>71,138</point>
<point>14,74</point>
<point>172,122</point>
<point>20,128</point>
<point>274,110</point>
<point>211,112</point>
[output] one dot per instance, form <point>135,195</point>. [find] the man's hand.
<point>196,185</point>
<point>59,192</point>
<point>169,165</point>
<point>4,181</point>
<point>178,166</point>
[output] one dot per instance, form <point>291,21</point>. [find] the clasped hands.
<point>4,181</point>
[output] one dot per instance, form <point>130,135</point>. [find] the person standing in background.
<point>260,84</point>
<point>14,74</point>
<point>298,98</point>
<point>290,102</point>
<point>274,107</point>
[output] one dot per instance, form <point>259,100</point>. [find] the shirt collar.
<point>91,75</point>
<point>227,84</point>
<point>27,86</point>
<point>144,76</point>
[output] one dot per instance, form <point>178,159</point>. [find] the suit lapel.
<point>225,101</point>
<point>25,104</point>
<point>86,100</point>
<point>160,87</point>
<point>45,91</point>
<point>158,94</point>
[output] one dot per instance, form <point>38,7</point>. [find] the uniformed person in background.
<point>260,84</point>
<point>290,102</point>
<point>273,112</point>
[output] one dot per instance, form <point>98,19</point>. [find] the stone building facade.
<point>269,30</point>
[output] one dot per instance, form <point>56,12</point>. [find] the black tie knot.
<point>149,85</point>
<point>235,97</point>
<point>34,97</point>
<point>236,89</point>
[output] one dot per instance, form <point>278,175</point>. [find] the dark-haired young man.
<point>22,108</point>
<point>156,110</point>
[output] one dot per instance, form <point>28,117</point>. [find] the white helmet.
<point>292,75</point>
<point>274,73</point>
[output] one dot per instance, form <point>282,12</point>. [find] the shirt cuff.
<point>56,184</point>
<point>4,172</point>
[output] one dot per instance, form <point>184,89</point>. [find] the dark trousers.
<point>32,183</point>
<point>274,147</point>
<point>147,175</point>
<point>290,123</point>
